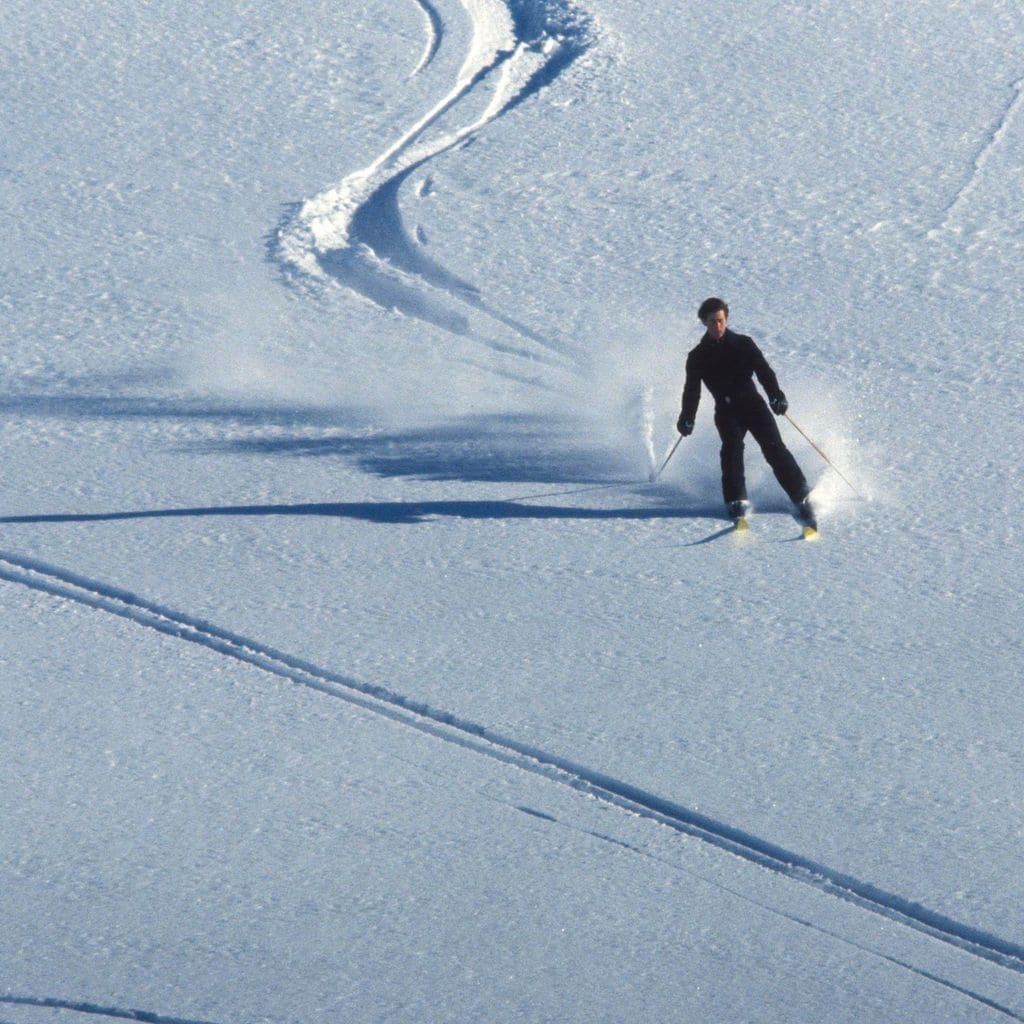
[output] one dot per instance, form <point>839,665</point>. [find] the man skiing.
<point>726,362</point>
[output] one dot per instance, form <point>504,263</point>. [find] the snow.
<point>351,667</point>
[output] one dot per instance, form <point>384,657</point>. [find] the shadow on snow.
<point>497,449</point>
<point>385,512</point>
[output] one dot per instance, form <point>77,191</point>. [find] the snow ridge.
<point>353,233</point>
<point>995,139</point>
<point>63,584</point>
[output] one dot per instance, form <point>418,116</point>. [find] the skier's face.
<point>715,324</point>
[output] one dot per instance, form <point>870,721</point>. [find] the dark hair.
<point>709,306</point>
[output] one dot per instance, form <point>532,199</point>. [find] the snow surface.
<point>351,669</point>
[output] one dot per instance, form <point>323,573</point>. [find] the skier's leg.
<point>731,431</point>
<point>766,432</point>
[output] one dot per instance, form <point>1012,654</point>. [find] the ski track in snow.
<point>435,30</point>
<point>803,922</point>
<point>995,139</point>
<point>60,583</point>
<point>354,233</point>
<point>95,1010</point>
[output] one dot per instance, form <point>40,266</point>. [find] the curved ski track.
<point>354,233</point>
<point>434,30</point>
<point>60,583</point>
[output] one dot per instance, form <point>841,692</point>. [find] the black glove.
<point>685,427</point>
<point>779,404</point>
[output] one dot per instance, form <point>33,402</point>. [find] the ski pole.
<point>654,476</point>
<point>824,456</point>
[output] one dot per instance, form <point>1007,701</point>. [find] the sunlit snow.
<point>352,668</point>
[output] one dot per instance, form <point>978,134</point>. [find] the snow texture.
<point>351,665</point>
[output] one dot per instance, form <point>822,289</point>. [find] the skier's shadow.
<point>527,449</point>
<point>382,512</point>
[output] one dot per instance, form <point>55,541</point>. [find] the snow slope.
<point>351,670</point>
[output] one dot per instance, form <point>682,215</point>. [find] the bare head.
<point>714,315</point>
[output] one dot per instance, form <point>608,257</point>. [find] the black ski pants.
<point>734,420</point>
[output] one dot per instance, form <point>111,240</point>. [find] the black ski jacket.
<point>727,367</point>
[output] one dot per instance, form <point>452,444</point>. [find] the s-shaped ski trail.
<point>353,233</point>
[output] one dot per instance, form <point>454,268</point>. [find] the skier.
<point>727,362</point>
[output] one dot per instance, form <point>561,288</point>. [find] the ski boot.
<point>806,514</point>
<point>738,513</point>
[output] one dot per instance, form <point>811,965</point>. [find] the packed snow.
<point>351,666</point>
